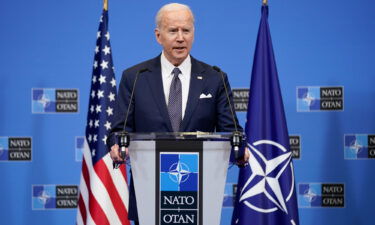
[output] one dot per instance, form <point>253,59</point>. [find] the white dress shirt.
<point>167,76</point>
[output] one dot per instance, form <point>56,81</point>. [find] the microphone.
<point>123,137</point>
<point>132,94</point>
<point>237,136</point>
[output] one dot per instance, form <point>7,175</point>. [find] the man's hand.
<point>115,154</point>
<point>245,159</point>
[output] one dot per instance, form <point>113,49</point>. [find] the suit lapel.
<point>197,80</point>
<point>155,82</point>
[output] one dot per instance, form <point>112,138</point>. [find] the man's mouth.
<point>179,48</point>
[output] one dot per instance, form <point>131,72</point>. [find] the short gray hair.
<point>171,7</point>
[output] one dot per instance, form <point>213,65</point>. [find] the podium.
<point>179,178</point>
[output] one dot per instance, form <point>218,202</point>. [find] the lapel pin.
<point>199,77</point>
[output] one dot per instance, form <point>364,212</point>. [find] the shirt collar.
<point>168,66</point>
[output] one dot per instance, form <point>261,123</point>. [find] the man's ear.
<point>157,35</point>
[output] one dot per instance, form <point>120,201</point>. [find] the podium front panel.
<point>179,181</point>
<point>215,166</point>
<point>142,158</point>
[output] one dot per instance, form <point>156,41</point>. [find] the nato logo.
<point>4,149</point>
<point>320,99</point>
<point>295,146</point>
<point>15,148</point>
<point>51,100</point>
<point>263,191</point>
<point>179,191</point>
<point>46,197</point>
<point>316,195</point>
<point>359,146</point>
<point>178,172</point>
<point>240,99</point>
<point>79,146</point>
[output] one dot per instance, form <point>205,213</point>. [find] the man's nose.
<point>180,36</point>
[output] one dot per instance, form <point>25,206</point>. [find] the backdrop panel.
<point>324,52</point>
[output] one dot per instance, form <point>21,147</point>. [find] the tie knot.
<point>176,71</point>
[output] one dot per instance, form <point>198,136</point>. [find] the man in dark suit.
<point>173,92</point>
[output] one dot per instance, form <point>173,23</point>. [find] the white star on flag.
<point>98,108</point>
<point>93,94</point>
<point>100,94</point>
<point>113,82</point>
<point>109,111</point>
<point>102,79</point>
<point>107,36</point>
<point>104,64</point>
<point>94,79</point>
<point>106,50</point>
<point>111,97</point>
<point>96,123</point>
<point>96,49</point>
<point>95,64</point>
<point>107,125</point>
<point>105,139</point>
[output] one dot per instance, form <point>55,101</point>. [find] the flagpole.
<point>105,5</point>
<point>265,2</point>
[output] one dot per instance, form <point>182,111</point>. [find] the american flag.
<point>104,192</point>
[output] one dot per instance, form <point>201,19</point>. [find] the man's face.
<point>176,35</point>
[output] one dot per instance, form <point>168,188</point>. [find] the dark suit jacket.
<point>149,113</point>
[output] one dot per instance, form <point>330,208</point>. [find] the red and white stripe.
<point>104,193</point>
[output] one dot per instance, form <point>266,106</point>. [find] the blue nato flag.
<point>266,190</point>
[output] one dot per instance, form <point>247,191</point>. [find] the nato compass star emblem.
<point>179,172</point>
<point>356,147</point>
<point>44,197</point>
<point>44,100</point>
<point>1,150</point>
<point>265,178</point>
<point>308,99</point>
<point>310,195</point>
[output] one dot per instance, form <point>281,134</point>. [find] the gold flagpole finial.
<point>265,2</point>
<point>105,5</point>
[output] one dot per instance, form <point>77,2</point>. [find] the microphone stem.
<point>131,99</point>
<point>230,105</point>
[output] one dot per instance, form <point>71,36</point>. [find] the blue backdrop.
<point>49,45</point>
